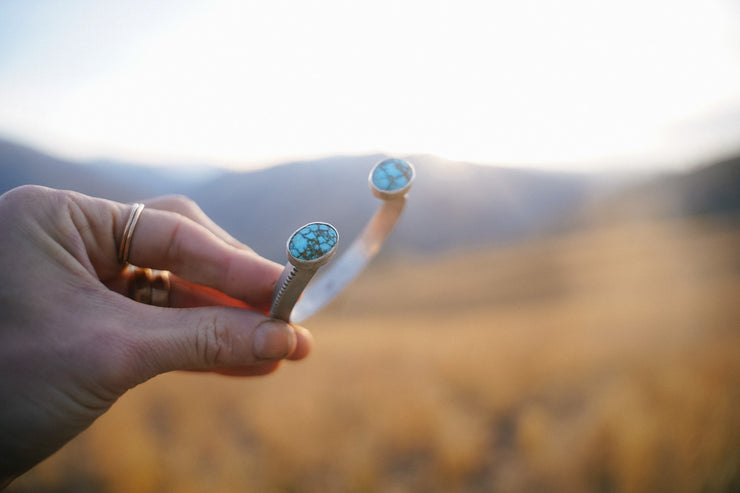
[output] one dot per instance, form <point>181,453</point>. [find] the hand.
<point>71,343</point>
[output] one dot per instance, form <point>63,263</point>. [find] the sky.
<point>568,84</point>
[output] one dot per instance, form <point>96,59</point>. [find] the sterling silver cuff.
<point>314,244</point>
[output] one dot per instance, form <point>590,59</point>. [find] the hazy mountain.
<point>451,205</point>
<point>710,189</point>
<point>20,165</point>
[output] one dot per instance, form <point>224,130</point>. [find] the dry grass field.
<point>606,360</point>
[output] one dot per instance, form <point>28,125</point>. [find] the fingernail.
<point>273,339</point>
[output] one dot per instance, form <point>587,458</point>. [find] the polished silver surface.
<point>294,300</point>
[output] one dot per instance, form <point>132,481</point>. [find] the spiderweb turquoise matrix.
<point>392,175</point>
<point>312,241</point>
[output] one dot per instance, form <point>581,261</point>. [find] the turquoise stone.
<point>392,174</point>
<point>313,241</point>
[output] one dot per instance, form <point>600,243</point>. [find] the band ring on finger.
<point>149,286</point>
<point>128,232</point>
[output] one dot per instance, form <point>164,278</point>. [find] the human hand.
<point>71,344</point>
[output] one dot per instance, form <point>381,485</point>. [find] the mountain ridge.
<point>452,205</point>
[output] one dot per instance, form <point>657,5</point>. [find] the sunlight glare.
<point>236,83</point>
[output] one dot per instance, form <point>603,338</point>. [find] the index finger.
<point>170,241</point>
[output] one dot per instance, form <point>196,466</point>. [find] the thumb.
<point>211,338</point>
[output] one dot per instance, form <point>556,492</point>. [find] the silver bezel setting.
<point>315,263</point>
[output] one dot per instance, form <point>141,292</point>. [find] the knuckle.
<point>183,204</point>
<point>35,202</point>
<point>24,194</point>
<point>173,245</point>
<point>213,341</point>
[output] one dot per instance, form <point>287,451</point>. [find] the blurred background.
<point>557,309</point>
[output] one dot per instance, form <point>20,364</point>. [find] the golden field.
<point>604,360</point>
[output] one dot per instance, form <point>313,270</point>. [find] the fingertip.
<point>304,343</point>
<point>273,340</point>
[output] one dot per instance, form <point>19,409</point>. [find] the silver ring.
<point>314,244</point>
<point>128,232</point>
<point>148,286</point>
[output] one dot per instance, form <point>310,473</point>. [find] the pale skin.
<point>71,342</point>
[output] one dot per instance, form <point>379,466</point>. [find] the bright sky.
<point>568,83</point>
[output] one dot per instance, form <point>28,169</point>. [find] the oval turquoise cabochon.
<point>313,241</point>
<point>392,174</point>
